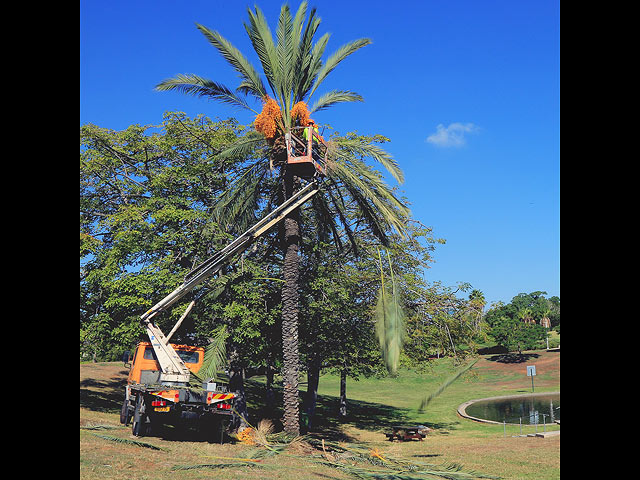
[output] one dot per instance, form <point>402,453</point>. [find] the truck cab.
<point>145,368</point>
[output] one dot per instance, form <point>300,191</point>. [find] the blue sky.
<point>467,91</point>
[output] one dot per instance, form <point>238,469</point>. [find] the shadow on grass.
<point>107,396</point>
<point>369,416</point>
<point>103,395</point>
<point>513,357</point>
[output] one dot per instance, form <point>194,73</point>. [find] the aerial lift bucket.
<point>307,155</point>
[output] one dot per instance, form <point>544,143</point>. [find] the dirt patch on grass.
<point>508,370</point>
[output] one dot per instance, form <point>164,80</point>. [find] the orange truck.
<point>148,403</point>
<point>159,386</point>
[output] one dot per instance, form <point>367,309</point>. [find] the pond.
<point>532,409</point>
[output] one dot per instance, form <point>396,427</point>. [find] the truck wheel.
<point>124,412</point>
<point>138,425</point>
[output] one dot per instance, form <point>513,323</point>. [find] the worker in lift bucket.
<point>308,132</point>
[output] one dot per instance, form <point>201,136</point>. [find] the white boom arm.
<point>173,369</point>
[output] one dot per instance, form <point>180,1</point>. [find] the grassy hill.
<point>374,405</point>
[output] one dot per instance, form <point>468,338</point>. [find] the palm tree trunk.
<point>290,313</point>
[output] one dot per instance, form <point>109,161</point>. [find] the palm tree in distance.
<point>353,193</point>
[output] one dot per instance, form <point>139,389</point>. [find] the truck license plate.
<point>161,409</point>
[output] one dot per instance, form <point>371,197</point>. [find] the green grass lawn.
<point>374,404</point>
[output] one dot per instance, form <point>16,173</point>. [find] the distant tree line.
<point>524,323</point>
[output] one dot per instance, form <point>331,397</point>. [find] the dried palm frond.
<point>264,428</point>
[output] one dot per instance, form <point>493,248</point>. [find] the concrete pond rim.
<point>462,408</point>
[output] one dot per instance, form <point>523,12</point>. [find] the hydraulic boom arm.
<point>173,368</point>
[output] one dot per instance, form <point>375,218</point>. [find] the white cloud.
<point>451,136</point>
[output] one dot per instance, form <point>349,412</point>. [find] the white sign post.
<point>531,372</point>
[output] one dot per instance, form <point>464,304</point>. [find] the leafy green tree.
<point>145,221</point>
<point>515,334</point>
<point>518,324</point>
<point>294,69</point>
<point>336,328</point>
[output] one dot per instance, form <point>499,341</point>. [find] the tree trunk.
<point>290,313</point>
<point>271,396</point>
<point>343,393</point>
<point>313,378</point>
<point>236,384</point>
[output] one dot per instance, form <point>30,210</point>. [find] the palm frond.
<point>99,426</point>
<point>314,65</point>
<point>337,57</point>
<point>195,85</point>
<point>251,79</point>
<point>262,41</point>
<point>286,61</point>
<point>426,400</point>
<point>356,147</point>
<point>390,320</point>
<point>333,97</point>
<point>301,44</point>
<point>237,206</point>
<point>126,441</point>
<point>215,354</point>
<point>240,463</point>
<point>243,147</point>
<point>376,201</point>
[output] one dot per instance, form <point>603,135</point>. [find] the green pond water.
<point>531,409</point>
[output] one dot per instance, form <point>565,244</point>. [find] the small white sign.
<point>531,370</point>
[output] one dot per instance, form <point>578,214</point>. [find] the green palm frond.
<point>243,148</point>
<point>195,85</point>
<point>286,61</point>
<point>217,465</point>
<point>376,201</point>
<point>337,57</point>
<point>333,97</point>
<point>126,441</point>
<point>426,400</point>
<point>314,64</point>
<point>262,41</point>
<point>251,79</point>
<point>390,320</point>
<point>355,147</point>
<point>237,206</point>
<point>215,354</point>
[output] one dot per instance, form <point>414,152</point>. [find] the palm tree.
<point>294,69</point>
<point>477,303</point>
<point>526,315</point>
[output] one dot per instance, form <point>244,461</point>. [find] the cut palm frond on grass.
<point>126,441</point>
<point>266,442</point>
<point>99,426</point>
<point>426,400</point>
<point>362,462</point>
<point>247,463</point>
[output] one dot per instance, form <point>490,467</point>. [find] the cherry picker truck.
<point>160,371</point>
